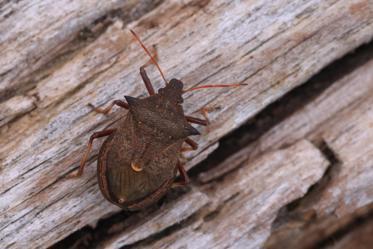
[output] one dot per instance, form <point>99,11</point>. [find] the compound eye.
<point>177,84</point>
<point>179,100</point>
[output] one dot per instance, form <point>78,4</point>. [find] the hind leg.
<point>84,159</point>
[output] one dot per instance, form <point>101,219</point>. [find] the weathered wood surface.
<point>54,72</point>
<point>345,130</point>
<point>341,117</point>
<point>306,122</point>
<point>353,230</point>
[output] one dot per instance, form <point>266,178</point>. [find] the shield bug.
<point>139,160</point>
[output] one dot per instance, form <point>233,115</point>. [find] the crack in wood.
<point>358,219</point>
<point>278,111</point>
<point>299,206</point>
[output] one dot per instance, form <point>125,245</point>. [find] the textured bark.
<point>58,56</point>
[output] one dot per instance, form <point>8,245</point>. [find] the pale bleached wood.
<point>272,47</point>
<point>247,201</point>
<point>15,107</point>
<point>33,33</point>
<point>350,136</point>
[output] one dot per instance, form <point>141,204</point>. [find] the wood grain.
<point>45,58</point>
<point>164,218</point>
<point>246,202</point>
<point>309,121</point>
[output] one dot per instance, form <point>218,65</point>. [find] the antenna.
<point>213,86</point>
<point>149,54</point>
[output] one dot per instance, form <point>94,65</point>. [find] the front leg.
<point>204,111</point>
<point>193,145</point>
<point>106,110</point>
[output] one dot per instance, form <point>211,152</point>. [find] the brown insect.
<point>138,162</point>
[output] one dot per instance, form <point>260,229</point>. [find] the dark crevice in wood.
<point>118,222</point>
<point>212,214</point>
<point>325,232</point>
<point>88,236</point>
<point>298,209</point>
<point>79,239</point>
<point>169,230</point>
<point>285,107</point>
<point>358,221</point>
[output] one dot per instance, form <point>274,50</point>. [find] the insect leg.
<point>192,144</point>
<point>106,110</point>
<point>184,176</point>
<point>199,121</point>
<point>205,111</point>
<point>89,148</point>
<point>146,80</point>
